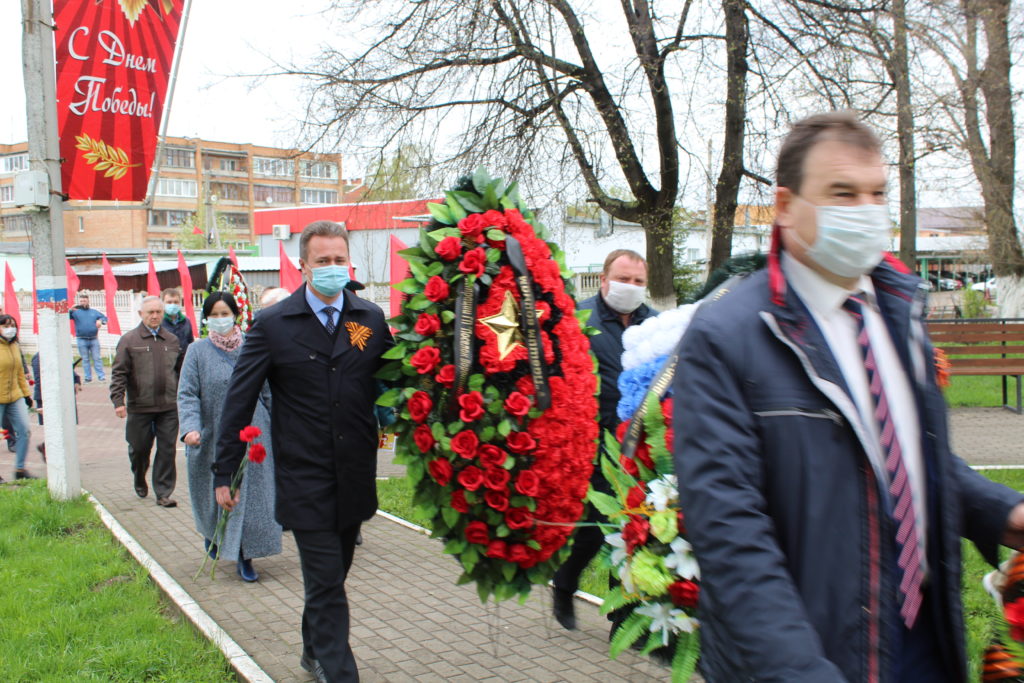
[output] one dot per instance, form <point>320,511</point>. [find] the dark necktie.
<point>331,325</point>
<point>909,560</point>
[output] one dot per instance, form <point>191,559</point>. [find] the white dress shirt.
<point>825,300</point>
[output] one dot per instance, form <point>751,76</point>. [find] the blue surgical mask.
<point>221,326</point>
<point>851,240</point>
<point>329,280</point>
<point>172,309</point>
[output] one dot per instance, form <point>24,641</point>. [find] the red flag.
<point>35,303</point>
<point>234,259</point>
<point>109,289</point>
<point>113,62</point>
<point>152,282</point>
<point>399,271</point>
<point>291,278</point>
<point>11,297</point>
<point>197,230</point>
<point>186,290</point>
<point>73,283</point>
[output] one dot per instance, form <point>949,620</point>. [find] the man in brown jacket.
<point>144,368</point>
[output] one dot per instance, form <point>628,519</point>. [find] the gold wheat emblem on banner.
<point>111,160</point>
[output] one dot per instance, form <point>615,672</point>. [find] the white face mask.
<point>624,298</point>
<point>221,326</point>
<point>851,239</point>
<point>8,332</point>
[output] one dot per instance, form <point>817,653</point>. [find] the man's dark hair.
<point>841,126</point>
<point>214,297</point>
<point>615,255</point>
<point>320,229</point>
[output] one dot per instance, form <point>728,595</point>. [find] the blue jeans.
<point>17,413</point>
<point>89,350</point>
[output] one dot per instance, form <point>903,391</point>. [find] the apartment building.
<point>214,186</point>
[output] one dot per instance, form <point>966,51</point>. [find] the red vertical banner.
<point>186,290</point>
<point>113,66</point>
<point>11,307</point>
<point>233,258</point>
<point>109,290</point>
<point>399,270</point>
<point>152,281</point>
<point>291,278</point>
<point>35,304</point>
<point>73,283</point>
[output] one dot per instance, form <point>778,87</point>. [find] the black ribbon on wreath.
<point>465,320</point>
<point>528,322</point>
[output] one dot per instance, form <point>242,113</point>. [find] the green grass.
<point>967,391</point>
<point>980,613</point>
<point>75,606</point>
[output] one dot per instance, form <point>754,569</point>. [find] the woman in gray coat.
<point>202,388</point>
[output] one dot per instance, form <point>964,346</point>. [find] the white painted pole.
<point>58,390</point>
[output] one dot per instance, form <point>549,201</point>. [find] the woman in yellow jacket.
<point>15,398</point>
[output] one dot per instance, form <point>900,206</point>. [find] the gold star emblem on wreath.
<point>505,325</point>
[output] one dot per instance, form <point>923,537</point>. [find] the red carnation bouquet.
<point>257,453</point>
<point>495,389</point>
<point>1004,657</point>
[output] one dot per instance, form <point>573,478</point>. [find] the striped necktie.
<point>909,560</point>
<point>331,325</point>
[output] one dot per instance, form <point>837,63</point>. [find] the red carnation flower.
<point>1014,612</point>
<point>420,406</point>
<point>446,376</point>
<point>497,500</point>
<point>471,478</point>
<point>257,453</point>
<point>635,497</point>
<point>449,248</point>
<point>643,454</point>
<point>427,324</point>
<point>249,434</point>
<point>459,503</point>
<point>496,478</point>
<point>491,455</point>
<point>426,359</point>
<point>423,438</point>
<point>465,444</point>
<point>518,553</point>
<point>476,532</point>
<point>517,404</point>
<point>472,405</point>
<point>474,262</point>
<point>518,518</point>
<point>524,385</point>
<point>620,431</point>
<point>528,483</point>
<point>496,549</point>
<point>472,227</point>
<point>436,289</point>
<point>441,470</point>
<point>520,442</point>
<point>684,593</point>
<point>629,466</point>
<point>635,532</point>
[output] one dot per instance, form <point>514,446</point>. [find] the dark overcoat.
<point>322,422</point>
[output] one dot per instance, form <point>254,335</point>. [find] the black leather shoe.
<point>167,502</point>
<point>313,666</point>
<point>142,491</point>
<point>23,474</point>
<point>562,608</point>
<point>359,538</point>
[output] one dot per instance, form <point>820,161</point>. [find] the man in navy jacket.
<point>784,457</point>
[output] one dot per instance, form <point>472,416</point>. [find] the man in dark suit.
<point>319,349</point>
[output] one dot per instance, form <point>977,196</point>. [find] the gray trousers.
<point>139,431</point>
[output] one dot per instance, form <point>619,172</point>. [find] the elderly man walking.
<point>144,391</point>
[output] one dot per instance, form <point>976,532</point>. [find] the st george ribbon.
<point>113,66</point>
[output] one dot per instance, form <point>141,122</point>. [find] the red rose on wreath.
<point>471,478</point>
<point>684,593</point>
<point>528,483</point>
<point>426,359</point>
<point>496,478</point>
<point>636,497</point>
<point>518,518</point>
<point>427,324</point>
<point>520,442</point>
<point>476,532</point>
<point>524,385</point>
<point>449,248</point>
<point>491,455</point>
<point>423,438</point>
<point>472,405</point>
<point>517,404</point>
<point>420,406</point>
<point>518,553</point>
<point>472,227</point>
<point>635,533</point>
<point>494,218</point>
<point>446,376</point>
<point>496,549</point>
<point>474,262</point>
<point>629,466</point>
<point>441,470</point>
<point>497,500</point>
<point>459,503</point>
<point>1014,612</point>
<point>436,289</point>
<point>465,444</point>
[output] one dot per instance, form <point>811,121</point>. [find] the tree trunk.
<point>660,260</point>
<point>727,188</point>
<point>899,69</point>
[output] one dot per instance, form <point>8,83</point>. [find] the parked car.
<point>948,284</point>
<point>988,286</point>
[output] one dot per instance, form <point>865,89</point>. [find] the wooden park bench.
<point>984,346</point>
